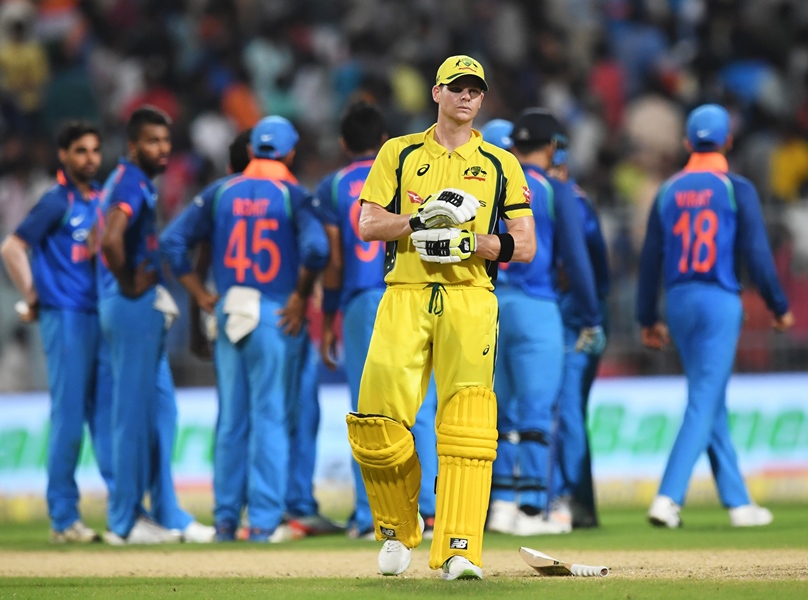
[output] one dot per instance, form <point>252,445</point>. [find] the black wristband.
<point>416,223</point>
<point>505,247</point>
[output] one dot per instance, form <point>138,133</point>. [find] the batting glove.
<point>591,340</point>
<point>444,245</point>
<point>447,208</point>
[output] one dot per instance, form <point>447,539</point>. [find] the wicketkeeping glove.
<point>591,340</point>
<point>446,208</point>
<point>444,245</point>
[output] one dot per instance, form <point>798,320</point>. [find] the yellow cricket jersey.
<point>410,168</point>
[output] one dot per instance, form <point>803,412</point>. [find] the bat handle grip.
<point>587,571</point>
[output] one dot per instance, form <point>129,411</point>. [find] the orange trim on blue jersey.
<point>356,165</point>
<point>707,161</point>
<point>60,177</point>
<point>264,168</point>
<point>125,208</point>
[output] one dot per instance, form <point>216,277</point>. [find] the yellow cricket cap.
<point>457,66</point>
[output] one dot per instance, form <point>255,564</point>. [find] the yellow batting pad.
<point>385,451</point>
<point>467,446</point>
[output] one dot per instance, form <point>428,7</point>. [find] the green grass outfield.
<point>623,530</point>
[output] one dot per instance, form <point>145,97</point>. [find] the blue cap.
<point>498,132</point>
<point>273,137</point>
<point>708,127</point>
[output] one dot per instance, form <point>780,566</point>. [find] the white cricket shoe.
<point>77,532</point>
<point>145,531</point>
<point>459,567</point>
<point>197,533</point>
<point>750,515</point>
<point>537,525</point>
<point>664,512</point>
<point>284,533</point>
<point>394,558</point>
<point>501,516</point>
<point>561,511</point>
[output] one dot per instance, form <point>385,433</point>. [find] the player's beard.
<point>150,167</point>
<point>82,176</point>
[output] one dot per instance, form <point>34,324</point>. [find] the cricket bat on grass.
<point>550,567</point>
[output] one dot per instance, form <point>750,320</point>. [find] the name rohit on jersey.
<point>693,198</point>
<point>246,207</point>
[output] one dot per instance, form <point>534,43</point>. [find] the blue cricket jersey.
<point>261,227</point>
<point>337,203</point>
<point>598,257</point>
<point>559,234</point>
<point>56,230</point>
<point>702,217</point>
<point>128,188</point>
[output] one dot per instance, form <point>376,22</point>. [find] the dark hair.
<point>363,127</point>
<point>528,147</point>
<point>145,115</point>
<point>239,151</point>
<point>73,130</point>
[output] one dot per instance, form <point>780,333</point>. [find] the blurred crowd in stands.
<point>621,75</point>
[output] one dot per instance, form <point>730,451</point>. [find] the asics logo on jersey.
<point>415,198</point>
<point>474,173</point>
<point>75,221</point>
<point>458,544</point>
<point>422,170</point>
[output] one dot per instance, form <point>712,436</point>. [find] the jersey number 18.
<point>698,243</point>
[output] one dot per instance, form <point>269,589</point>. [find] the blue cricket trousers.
<point>251,452</point>
<point>78,366</point>
<point>530,355</point>
<point>144,419</point>
<point>705,323</point>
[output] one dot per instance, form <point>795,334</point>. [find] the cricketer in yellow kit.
<point>436,198</point>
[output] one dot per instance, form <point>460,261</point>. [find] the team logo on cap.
<point>474,173</point>
<point>466,64</point>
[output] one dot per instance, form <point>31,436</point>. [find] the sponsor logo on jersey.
<point>387,532</point>
<point>356,188</point>
<point>198,201</point>
<point>76,221</point>
<point>485,351</point>
<point>422,170</point>
<point>80,235</point>
<point>527,194</point>
<point>415,198</point>
<point>458,544</point>
<point>475,172</point>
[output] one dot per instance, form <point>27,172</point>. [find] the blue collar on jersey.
<point>130,166</point>
<point>535,167</point>
<point>69,186</point>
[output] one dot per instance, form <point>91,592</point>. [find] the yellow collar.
<point>465,151</point>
